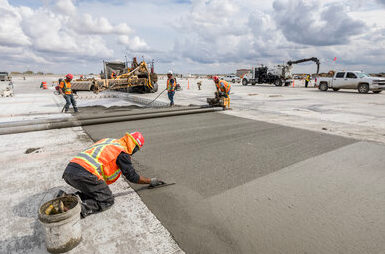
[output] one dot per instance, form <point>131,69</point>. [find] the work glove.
<point>155,182</point>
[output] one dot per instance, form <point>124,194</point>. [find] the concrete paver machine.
<point>120,77</point>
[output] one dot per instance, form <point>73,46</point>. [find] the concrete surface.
<point>28,180</point>
<point>346,112</point>
<point>243,186</point>
<point>246,186</point>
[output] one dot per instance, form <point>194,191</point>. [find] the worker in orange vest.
<point>223,90</point>
<point>66,91</point>
<point>92,170</point>
<point>171,86</point>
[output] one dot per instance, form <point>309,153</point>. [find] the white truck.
<point>278,75</point>
<point>232,78</point>
<point>352,80</point>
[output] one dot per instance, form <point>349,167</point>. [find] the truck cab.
<point>4,76</point>
<point>352,80</point>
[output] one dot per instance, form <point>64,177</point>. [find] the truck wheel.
<point>278,82</point>
<point>377,91</point>
<point>233,81</point>
<point>244,82</point>
<point>335,89</point>
<point>323,87</point>
<point>363,88</point>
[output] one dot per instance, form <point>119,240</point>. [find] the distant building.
<point>242,72</point>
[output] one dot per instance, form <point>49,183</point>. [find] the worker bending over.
<point>223,90</point>
<point>92,170</point>
<point>171,86</point>
<point>66,91</point>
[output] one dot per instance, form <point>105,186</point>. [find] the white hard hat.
<point>169,72</point>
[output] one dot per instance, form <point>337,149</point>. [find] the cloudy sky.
<point>191,36</point>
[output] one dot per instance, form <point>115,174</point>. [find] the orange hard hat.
<point>69,76</point>
<point>138,137</point>
<point>216,79</point>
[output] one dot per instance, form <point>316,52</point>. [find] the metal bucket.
<point>62,230</point>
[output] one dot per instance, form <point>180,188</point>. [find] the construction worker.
<point>199,84</point>
<point>307,80</point>
<point>171,86</point>
<point>66,91</point>
<point>92,170</point>
<point>134,63</point>
<point>223,90</point>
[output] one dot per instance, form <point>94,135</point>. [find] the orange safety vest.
<point>66,86</point>
<point>100,158</point>
<point>223,86</point>
<point>171,87</point>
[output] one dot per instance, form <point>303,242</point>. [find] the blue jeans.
<point>171,97</point>
<point>70,100</point>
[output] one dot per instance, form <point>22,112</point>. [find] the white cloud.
<point>11,33</point>
<point>237,32</point>
<point>86,24</point>
<point>135,43</point>
<point>58,31</point>
<point>197,36</point>
<point>66,7</point>
<point>311,23</point>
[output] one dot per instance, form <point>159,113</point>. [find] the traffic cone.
<point>293,82</point>
<point>188,84</point>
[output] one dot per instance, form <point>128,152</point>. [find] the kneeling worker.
<point>223,90</point>
<point>92,170</point>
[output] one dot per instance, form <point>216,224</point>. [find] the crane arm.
<point>314,59</point>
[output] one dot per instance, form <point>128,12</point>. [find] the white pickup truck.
<point>232,78</point>
<point>352,80</point>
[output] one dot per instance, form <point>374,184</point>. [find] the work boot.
<point>76,110</point>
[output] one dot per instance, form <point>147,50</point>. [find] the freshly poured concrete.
<point>245,186</point>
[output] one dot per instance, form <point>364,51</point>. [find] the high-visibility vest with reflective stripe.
<point>66,86</point>
<point>171,87</point>
<point>100,159</point>
<point>223,86</point>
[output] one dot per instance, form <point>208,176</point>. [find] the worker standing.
<point>307,80</point>
<point>92,170</point>
<point>223,90</point>
<point>171,86</point>
<point>66,91</point>
<point>199,84</point>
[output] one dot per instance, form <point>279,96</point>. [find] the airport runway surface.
<point>244,186</point>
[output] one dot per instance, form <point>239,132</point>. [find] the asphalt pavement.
<point>244,186</point>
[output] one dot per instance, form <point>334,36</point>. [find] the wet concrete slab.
<point>208,155</point>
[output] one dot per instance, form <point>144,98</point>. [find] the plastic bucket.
<point>62,231</point>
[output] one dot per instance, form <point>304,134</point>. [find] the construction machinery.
<point>314,59</point>
<point>4,76</point>
<point>217,101</point>
<point>119,76</point>
<point>278,75</point>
